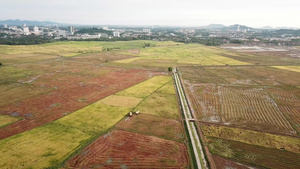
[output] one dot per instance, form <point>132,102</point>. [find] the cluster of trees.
<point>25,40</point>
<point>93,31</point>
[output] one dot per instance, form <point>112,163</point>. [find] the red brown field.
<point>123,149</point>
<point>154,125</point>
<point>222,163</point>
<point>69,93</point>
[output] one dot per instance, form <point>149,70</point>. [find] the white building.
<point>71,30</point>
<point>5,26</point>
<point>26,30</point>
<point>62,33</point>
<point>147,30</point>
<point>116,34</point>
<point>105,28</point>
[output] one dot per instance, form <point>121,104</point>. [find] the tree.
<point>170,69</point>
<point>0,64</point>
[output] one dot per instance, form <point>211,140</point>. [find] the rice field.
<point>145,88</point>
<point>290,68</point>
<point>123,149</point>
<point>252,106</point>
<point>287,143</point>
<point>153,125</point>
<point>41,147</point>
<point>5,120</point>
<point>121,101</point>
<point>49,145</point>
<point>96,117</point>
<point>183,54</point>
<point>256,156</point>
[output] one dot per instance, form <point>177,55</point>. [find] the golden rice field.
<point>291,144</point>
<point>5,120</point>
<point>121,101</point>
<point>145,88</point>
<point>49,145</point>
<point>183,54</point>
<point>290,68</point>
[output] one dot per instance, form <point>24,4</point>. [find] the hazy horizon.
<point>253,13</point>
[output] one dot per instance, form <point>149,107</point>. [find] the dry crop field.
<point>248,113</point>
<point>66,104</point>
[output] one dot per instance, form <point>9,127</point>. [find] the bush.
<point>0,64</point>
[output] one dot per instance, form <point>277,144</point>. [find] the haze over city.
<point>253,13</point>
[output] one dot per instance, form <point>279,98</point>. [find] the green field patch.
<point>252,137</point>
<point>189,54</point>
<point>96,117</point>
<point>168,88</point>
<point>5,120</point>
<point>14,93</point>
<point>41,147</point>
<point>70,54</point>
<point>121,101</point>
<point>252,154</point>
<point>8,59</point>
<point>290,68</point>
<point>145,88</point>
<point>160,104</point>
<point>10,74</point>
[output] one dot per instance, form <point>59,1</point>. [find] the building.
<point>71,30</point>
<point>25,30</point>
<point>62,33</point>
<point>116,34</point>
<point>147,30</point>
<point>5,26</point>
<point>105,28</point>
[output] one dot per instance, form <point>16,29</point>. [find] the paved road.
<point>194,137</point>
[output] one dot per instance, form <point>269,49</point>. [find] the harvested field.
<point>73,132</point>
<point>291,144</point>
<point>5,120</point>
<point>288,103</point>
<point>254,155</point>
<point>121,101</point>
<point>68,93</point>
<point>123,149</point>
<point>252,107</point>
<point>264,55</point>
<point>235,96</point>
<point>205,99</point>
<point>153,125</point>
<point>200,75</point>
<point>222,163</point>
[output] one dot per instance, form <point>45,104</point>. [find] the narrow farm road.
<point>189,120</point>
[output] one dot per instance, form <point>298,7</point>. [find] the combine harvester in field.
<point>136,113</point>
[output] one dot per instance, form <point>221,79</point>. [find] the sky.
<point>254,13</point>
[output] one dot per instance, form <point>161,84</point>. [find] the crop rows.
<point>205,99</point>
<point>127,149</point>
<point>255,155</point>
<point>251,105</point>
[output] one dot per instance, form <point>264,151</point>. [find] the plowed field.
<point>123,149</point>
